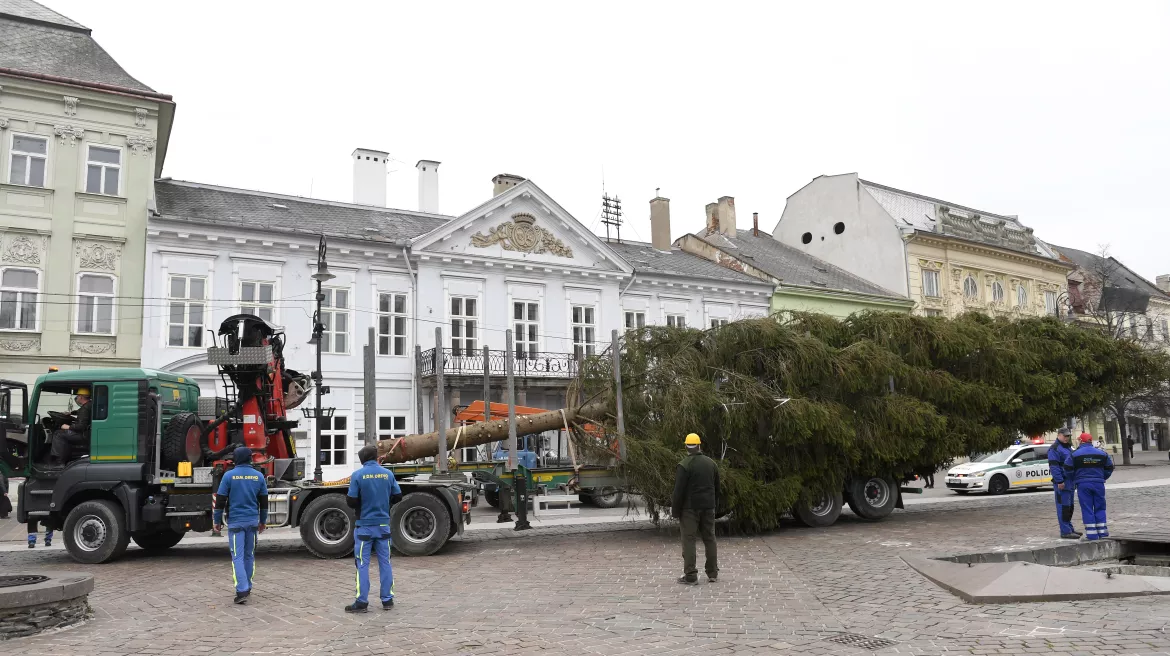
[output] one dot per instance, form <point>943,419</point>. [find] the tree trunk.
<point>413,447</point>
<point>1123,430</point>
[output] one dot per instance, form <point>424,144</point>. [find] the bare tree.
<point>1122,312</point>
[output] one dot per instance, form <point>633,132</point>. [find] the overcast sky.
<point>1057,112</point>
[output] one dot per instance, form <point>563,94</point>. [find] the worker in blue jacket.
<point>1061,450</point>
<point>372,490</point>
<point>244,494</point>
<point>1089,467</point>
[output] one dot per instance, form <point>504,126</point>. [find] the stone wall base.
<point>20,622</point>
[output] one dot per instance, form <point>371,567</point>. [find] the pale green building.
<point>81,142</point>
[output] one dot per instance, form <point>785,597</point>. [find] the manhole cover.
<point>863,641</point>
<point>22,579</point>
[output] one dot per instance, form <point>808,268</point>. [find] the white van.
<point>1021,466</point>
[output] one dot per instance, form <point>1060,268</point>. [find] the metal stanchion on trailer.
<point>519,483</point>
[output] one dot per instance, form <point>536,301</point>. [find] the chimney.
<point>369,177</point>
<point>504,182</point>
<point>1163,282</point>
<point>755,224</point>
<point>726,214</point>
<point>712,218</point>
<point>660,223</point>
<point>428,186</point>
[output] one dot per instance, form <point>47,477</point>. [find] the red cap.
<point>1085,437</point>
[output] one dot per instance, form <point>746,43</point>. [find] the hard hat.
<point>1085,437</point>
<point>82,391</point>
<point>693,440</point>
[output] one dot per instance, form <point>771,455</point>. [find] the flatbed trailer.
<point>597,483</point>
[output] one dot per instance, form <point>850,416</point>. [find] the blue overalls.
<point>1064,498</point>
<point>1089,468</point>
<point>372,487</point>
<point>244,494</point>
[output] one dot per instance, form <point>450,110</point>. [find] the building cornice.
<point>957,243</point>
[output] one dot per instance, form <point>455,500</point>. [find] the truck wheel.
<point>492,495</point>
<point>420,524</point>
<point>607,497</point>
<point>872,498</point>
<point>95,532</point>
<point>180,441</point>
<point>819,513</point>
<point>327,526</point>
<point>998,485</point>
<point>160,541</point>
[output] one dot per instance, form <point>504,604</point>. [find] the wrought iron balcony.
<point>460,362</point>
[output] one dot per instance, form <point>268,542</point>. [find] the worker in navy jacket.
<point>244,494</point>
<point>1089,467</point>
<point>1061,485</point>
<point>372,490</point>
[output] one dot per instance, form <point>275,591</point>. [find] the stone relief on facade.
<point>69,134</point>
<point>932,265</point>
<point>20,345</point>
<point>140,117</point>
<point>91,348</point>
<point>70,105</point>
<point>522,236</point>
<point>140,145</point>
<point>96,255</point>
<point>3,124</point>
<point>22,249</point>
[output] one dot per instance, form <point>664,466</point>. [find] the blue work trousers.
<point>1064,509</point>
<point>242,541</point>
<point>369,541</point>
<point>1091,494</point>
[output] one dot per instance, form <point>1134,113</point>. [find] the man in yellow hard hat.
<point>696,493</point>
<point>73,434</point>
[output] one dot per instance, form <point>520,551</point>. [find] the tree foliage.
<point>795,404</point>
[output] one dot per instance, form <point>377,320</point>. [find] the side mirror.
<point>1014,461</point>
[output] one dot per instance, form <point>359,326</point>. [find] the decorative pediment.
<point>521,234</point>
<point>931,265</point>
<point>22,249</point>
<point>97,255</point>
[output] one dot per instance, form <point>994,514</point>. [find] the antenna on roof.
<point>611,215</point>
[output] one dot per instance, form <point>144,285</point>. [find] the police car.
<point>1017,467</point>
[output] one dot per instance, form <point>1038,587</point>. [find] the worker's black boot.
<point>242,597</point>
<point>357,607</point>
<point>388,604</point>
<point>686,580</point>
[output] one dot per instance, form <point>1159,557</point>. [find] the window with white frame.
<point>103,170</point>
<point>525,328</point>
<point>333,447</point>
<point>391,324</point>
<point>1050,303</point>
<point>635,320</point>
<point>187,305</point>
<point>997,292</point>
<point>256,299</point>
<point>335,317</point>
<point>930,283</point>
<point>1021,297</point>
<point>584,324</point>
<point>970,287</point>
<point>19,289</point>
<point>27,162</point>
<point>933,312</point>
<point>464,324</point>
<point>676,320</point>
<point>391,426</point>
<point>718,323</point>
<point>95,304</point>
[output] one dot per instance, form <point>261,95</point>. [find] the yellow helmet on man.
<point>693,440</point>
<point>82,391</point>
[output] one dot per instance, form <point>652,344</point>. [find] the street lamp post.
<point>321,275</point>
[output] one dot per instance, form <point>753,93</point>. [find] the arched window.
<point>1021,297</point>
<point>997,292</point>
<point>970,287</point>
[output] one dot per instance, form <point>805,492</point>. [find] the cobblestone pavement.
<point>593,590</point>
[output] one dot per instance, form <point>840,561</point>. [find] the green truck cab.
<point>124,485</point>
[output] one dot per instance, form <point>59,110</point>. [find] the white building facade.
<point>518,261</point>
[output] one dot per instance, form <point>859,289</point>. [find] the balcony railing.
<point>527,365</point>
